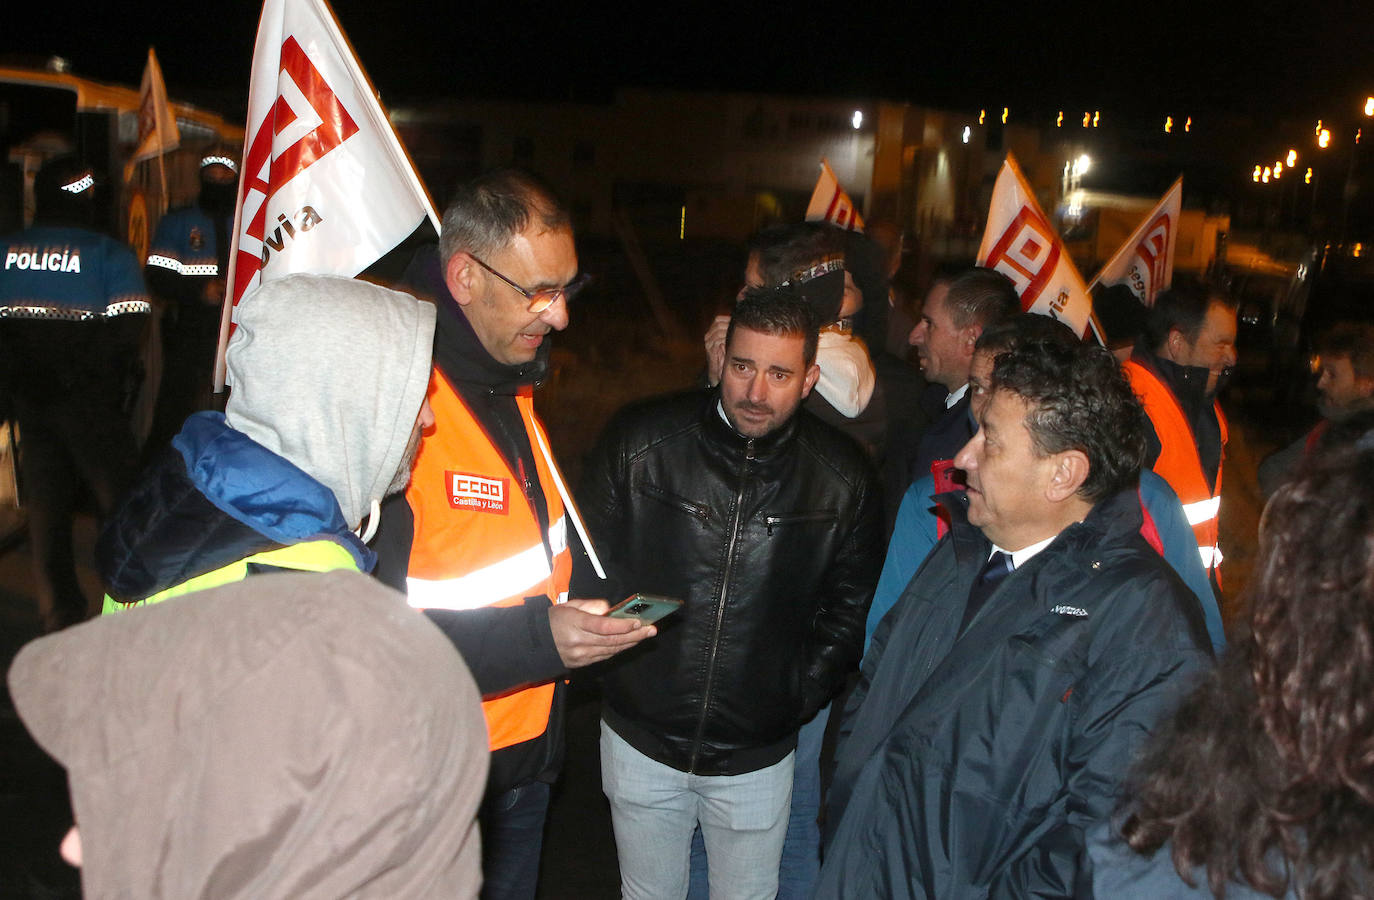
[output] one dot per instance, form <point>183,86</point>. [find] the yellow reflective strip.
<point>490,584</point>
<point>310,556</point>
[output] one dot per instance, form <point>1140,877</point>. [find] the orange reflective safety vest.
<point>477,539</point>
<point>1179,463</point>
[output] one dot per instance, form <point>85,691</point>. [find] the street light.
<point>1265,176</point>
<point>1256,176</point>
<point>1324,139</point>
<point>1292,158</point>
<point>1369,106</point>
<point>1168,124</point>
<point>1307,179</point>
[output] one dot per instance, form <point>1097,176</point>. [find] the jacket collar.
<point>726,437</point>
<point>459,354</point>
<point>1109,522</point>
<point>1188,383</point>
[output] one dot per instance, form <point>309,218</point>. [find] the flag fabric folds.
<point>1145,262</point>
<point>1020,242</point>
<point>829,202</point>
<point>325,186</point>
<point>157,124</point>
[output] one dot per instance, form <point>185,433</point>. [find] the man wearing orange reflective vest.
<point>1180,362</point>
<point>480,539</point>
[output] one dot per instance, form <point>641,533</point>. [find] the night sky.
<point>1138,60</point>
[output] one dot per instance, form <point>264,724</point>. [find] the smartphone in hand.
<point>647,608</point>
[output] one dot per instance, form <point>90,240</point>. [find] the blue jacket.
<point>215,497</point>
<point>970,765</point>
<point>68,274</point>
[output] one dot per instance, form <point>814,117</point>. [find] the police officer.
<point>72,311</point>
<point>186,270</point>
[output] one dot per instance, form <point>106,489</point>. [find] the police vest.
<point>185,243</point>
<point>1179,463</point>
<point>307,556</point>
<point>68,274</point>
<point>478,541</point>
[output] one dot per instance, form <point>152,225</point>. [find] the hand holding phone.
<point>647,608</point>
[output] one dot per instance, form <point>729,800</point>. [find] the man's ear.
<point>1365,385</point>
<point>460,277</point>
<point>1175,345</point>
<point>812,374</point>
<point>970,337</point>
<point>1069,471</point>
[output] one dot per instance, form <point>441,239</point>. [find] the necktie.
<point>997,567</point>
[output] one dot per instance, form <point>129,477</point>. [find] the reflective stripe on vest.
<point>1179,463</point>
<point>1202,510</point>
<point>519,574</point>
<point>477,539</point>
<point>308,556</point>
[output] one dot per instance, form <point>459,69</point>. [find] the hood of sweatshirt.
<point>329,373</point>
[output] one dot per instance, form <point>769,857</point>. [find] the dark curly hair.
<point>1266,773</point>
<point>1079,400</point>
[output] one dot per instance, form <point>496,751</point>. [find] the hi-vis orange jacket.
<point>1179,463</point>
<point>477,541</point>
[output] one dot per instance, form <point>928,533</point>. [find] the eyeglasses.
<point>543,298</point>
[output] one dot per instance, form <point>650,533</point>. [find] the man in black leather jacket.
<point>766,523</point>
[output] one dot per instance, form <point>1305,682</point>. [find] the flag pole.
<point>351,60</point>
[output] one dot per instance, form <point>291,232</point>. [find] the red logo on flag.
<point>478,493</point>
<point>335,126</point>
<point>1154,253</point>
<point>1027,253</point>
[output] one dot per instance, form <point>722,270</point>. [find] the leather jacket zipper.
<point>777,521</point>
<point>720,607</point>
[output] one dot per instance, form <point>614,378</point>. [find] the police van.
<point>47,111</point>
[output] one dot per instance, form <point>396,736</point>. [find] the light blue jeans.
<point>655,808</point>
<point>801,849</point>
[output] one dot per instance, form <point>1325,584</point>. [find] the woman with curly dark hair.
<point>1262,784</point>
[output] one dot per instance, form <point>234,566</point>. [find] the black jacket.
<point>773,544</point>
<point>971,766</point>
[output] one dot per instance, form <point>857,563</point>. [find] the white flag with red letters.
<point>326,187</point>
<point>157,124</point>
<point>1020,242</point>
<point>829,202</point>
<point>1145,262</point>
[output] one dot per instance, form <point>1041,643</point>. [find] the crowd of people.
<point>950,630</point>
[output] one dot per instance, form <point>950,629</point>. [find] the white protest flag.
<point>1020,243</point>
<point>326,187</point>
<point>1145,262</point>
<point>157,124</point>
<point>829,202</point>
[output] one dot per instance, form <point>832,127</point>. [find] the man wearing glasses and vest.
<point>480,540</point>
<point>1182,359</point>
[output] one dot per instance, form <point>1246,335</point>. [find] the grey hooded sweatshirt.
<point>329,373</point>
<point>289,736</point>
